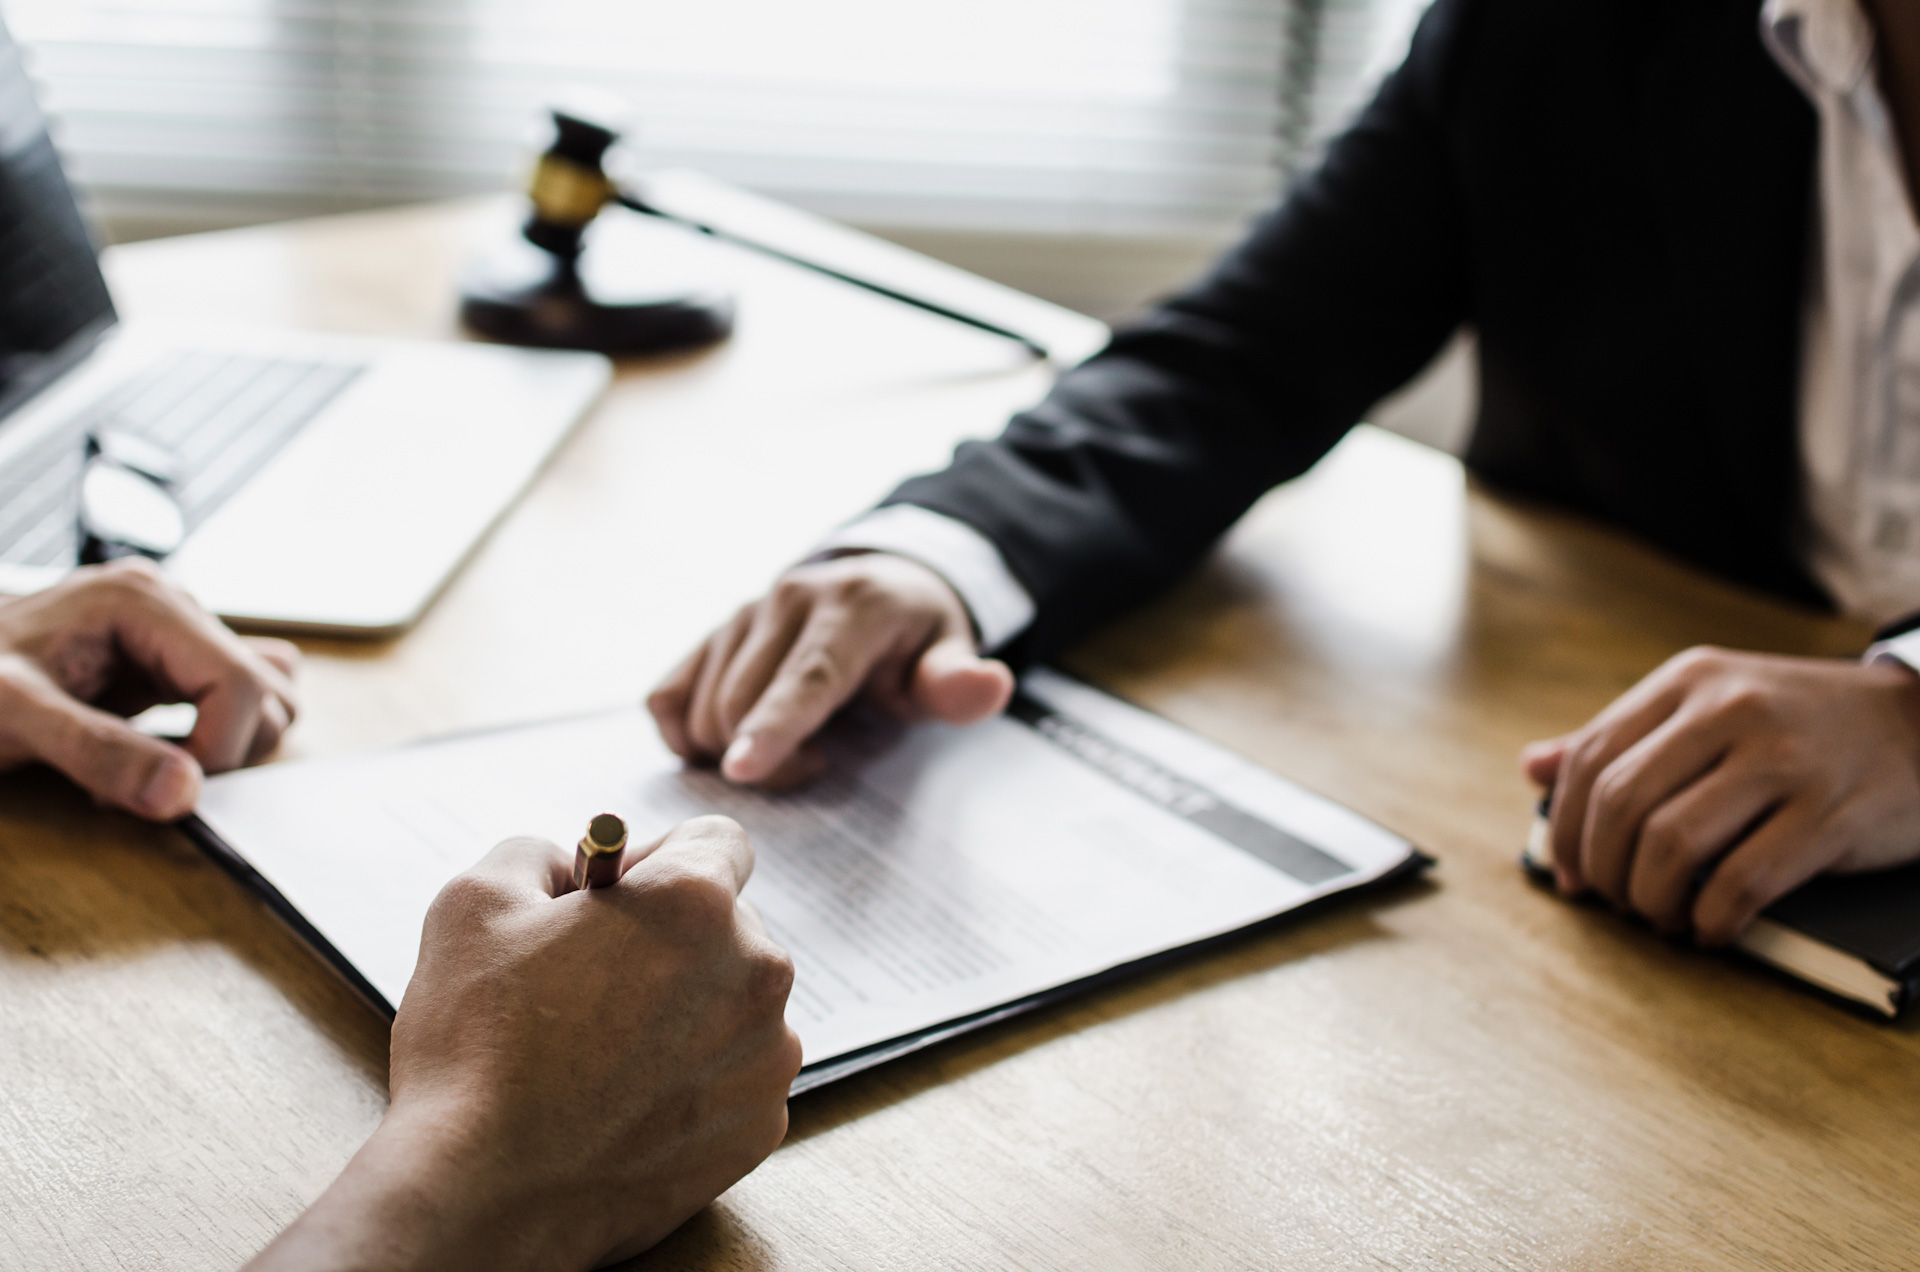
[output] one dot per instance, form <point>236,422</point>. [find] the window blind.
<point>1135,119</point>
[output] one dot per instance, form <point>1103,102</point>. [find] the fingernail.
<point>170,788</point>
<point>738,756</point>
<point>1565,882</point>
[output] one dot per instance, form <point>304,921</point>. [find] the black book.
<point>1854,937</point>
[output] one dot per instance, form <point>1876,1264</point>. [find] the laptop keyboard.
<point>221,417</point>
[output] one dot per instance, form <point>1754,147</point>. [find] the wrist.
<point>429,1190</point>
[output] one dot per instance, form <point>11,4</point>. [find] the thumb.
<point>952,682</point>
<point>107,757</point>
<point>1541,761</point>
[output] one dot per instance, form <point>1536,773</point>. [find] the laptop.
<point>317,483</point>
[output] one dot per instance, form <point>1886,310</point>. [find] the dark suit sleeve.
<point>1141,458</point>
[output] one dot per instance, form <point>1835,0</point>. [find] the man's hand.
<point>106,644</point>
<point>761,686</point>
<point>574,1074</point>
<point>1723,781</point>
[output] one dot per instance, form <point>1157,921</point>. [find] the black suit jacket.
<point>1615,195</point>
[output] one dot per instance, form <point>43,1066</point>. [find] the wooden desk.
<point>1465,1074</point>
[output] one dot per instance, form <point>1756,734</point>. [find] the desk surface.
<point>1463,1074</point>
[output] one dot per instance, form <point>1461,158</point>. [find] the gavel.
<point>550,301</point>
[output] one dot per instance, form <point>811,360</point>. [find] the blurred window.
<point>1129,118</point>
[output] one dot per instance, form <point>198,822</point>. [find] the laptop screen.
<point>53,301</point>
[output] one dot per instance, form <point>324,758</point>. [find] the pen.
<point>596,862</point>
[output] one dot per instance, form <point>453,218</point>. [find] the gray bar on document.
<point>1181,796</point>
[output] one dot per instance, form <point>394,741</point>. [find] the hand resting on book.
<point>1724,780</point>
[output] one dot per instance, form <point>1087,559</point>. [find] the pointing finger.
<point>755,663</point>
<point>824,669</point>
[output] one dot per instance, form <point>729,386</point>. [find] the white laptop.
<point>322,483</point>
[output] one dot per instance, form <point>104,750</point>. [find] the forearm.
<point>1140,459</point>
<point>1127,474</point>
<point>414,1198</point>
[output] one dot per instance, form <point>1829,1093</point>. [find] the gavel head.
<point>570,183</point>
<point>535,291</point>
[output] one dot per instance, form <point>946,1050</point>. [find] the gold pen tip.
<point>606,833</point>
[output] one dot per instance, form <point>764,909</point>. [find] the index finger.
<point>714,848</point>
<point>825,667</point>
<point>189,651</point>
<point>527,866</point>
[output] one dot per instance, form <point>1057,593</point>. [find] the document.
<point>934,876</point>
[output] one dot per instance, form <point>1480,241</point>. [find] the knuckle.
<point>134,572</point>
<point>664,702</point>
<point>1747,703</point>
<point>1786,754</point>
<point>1611,791</point>
<point>464,897</point>
<point>129,580</point>
<point>693,904</point>
<point>1700,660</point>
<point>856,587</point>
<point>819,671</point>
<point>792,1055</point>
<point>770,979</point>
<point>792,591</point>
<point>1662,839</point>
<point>1585,756</point>
<point>715,826</point>
<point>1848,826</point>
<point>1586,763</point>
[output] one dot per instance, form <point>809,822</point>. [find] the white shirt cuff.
<point>965,558</point>
<point>1901,649</point>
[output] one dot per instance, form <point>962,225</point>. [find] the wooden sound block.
<point>640,290</point>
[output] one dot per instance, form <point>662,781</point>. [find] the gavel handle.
<point>640,205</point>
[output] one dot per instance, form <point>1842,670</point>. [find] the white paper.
<point>934,873</point>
